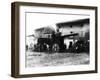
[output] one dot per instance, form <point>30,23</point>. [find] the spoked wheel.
<point>55,47</point>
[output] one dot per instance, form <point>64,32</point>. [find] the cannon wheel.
<point>55,47</point>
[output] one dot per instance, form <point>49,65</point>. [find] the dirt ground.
<point>40,59</point>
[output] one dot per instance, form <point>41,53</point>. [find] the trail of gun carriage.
<point>67,45</point>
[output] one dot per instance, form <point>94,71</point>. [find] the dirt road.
<point>37,59</point>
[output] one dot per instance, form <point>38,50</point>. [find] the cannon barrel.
<point>73,34</point>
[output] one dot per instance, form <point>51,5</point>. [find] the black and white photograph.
<point>57,39</point>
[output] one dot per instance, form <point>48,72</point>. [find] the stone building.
<point>44,32</point>
<point>80,26</point>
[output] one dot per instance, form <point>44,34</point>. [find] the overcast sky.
<point>37,20</point>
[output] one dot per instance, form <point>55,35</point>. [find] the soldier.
<point>70,46</point>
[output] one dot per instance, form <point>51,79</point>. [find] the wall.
<point>76,29</point>
<point>5,40</point>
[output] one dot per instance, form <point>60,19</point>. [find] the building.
<point>44,32</point>
<point>80,26</point>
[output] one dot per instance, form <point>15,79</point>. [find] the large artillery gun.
<point>53,43</point>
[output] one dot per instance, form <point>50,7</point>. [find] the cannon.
<point>53,43</point>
